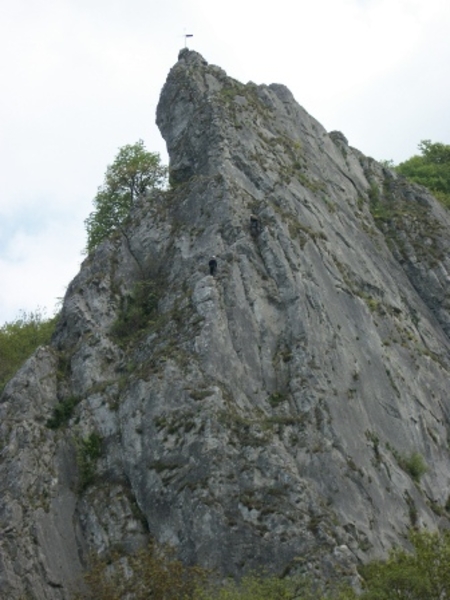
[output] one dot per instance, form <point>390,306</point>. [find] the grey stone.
<point>261,417</point>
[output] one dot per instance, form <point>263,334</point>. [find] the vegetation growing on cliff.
<point>431,168</point>
<point>138,310</point>
<point>20,338</point>
<point>422,574</point>
<point>151,572</point>
<point>134,172</point>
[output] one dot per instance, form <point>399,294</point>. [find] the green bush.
<point>62,412</point>
<point>414,465</point>
<point>431,169</point>
<point>276,398</point>
<point>423,574</point>
<point>20,338</point>
<point>89,450</point>
<point>137,312</point>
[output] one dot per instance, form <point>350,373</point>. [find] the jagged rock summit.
<point>290,412</point>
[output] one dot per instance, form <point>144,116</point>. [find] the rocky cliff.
<point>291,411</point>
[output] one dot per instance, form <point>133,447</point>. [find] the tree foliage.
<point>133,172</point>
<point>431,169</point>
<point>423,574</point>
<point>20,338</point>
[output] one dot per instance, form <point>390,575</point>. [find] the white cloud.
<point>36,268</point>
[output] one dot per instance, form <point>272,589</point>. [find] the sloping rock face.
<point>280,413</point>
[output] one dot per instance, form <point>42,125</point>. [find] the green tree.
<point>423,574</point>
<point>20,338</point>
<point>431,169</point>
<point>133,172</point>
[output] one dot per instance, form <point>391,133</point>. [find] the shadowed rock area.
<point>291,412</point>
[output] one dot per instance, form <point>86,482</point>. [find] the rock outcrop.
<point>291,411</point>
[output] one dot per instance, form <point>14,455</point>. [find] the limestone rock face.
<point>281,413</point>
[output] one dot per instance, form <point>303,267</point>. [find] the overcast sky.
<point>81,78</point>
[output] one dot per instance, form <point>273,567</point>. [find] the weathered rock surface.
<point>270,415</point>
